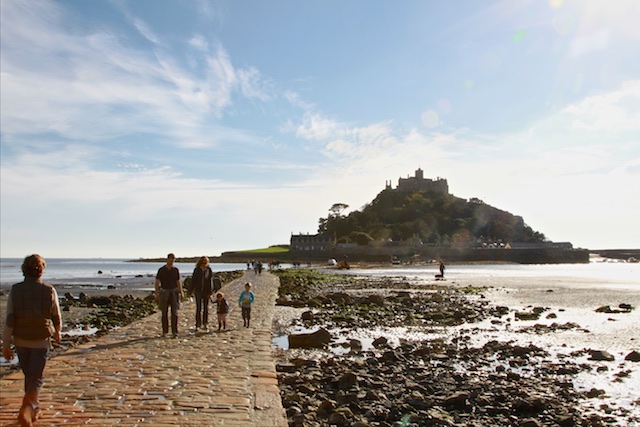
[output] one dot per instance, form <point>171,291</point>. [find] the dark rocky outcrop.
<point>317,339</point>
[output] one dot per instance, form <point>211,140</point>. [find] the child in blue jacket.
<point>246,299</point>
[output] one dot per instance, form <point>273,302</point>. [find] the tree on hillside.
<point>335,222</point>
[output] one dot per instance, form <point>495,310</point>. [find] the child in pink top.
<point>222,308</point>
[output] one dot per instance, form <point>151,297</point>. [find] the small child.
<point>245,301</point>
<point>222,308</point>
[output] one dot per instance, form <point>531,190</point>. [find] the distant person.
<point>442,267</point>
<point>33,318</point>
<point>257,267</point>
<point>246,299</point>
<point>222,310</point>
<point>201,288</point>
<point>169,294</point>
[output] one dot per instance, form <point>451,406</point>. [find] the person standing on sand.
<point>33,318</point>
<point>169,294</point>
<point>442,267</point>
<point>222,309</point>
<point>246,299</point>
<point>201,288</point>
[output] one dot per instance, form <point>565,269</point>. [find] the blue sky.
<point>135,128</point>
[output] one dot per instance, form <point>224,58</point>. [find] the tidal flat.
<point>475,351</point>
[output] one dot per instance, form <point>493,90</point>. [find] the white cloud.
<point>317,128</point>
<point>144,30</point>
<point>615,112</point>
<point>92,86</point>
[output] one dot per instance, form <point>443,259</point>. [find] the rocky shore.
<point>434,374</point>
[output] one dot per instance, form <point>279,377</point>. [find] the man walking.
<point>169,294</point>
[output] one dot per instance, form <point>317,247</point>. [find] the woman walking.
<point>33,318</point>
<point>201,287</point>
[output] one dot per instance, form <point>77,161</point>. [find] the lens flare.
<point>444,106</point>
<point>430,118</point>
<point>518,36</point>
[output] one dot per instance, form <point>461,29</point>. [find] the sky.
<point>137,128</point>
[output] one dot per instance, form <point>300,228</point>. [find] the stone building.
<point>312,243</point>
<point>420,183</point>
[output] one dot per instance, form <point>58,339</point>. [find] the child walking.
<point>222,308</point>
<point>245,301</point>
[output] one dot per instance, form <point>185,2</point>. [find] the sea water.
<point>99,271</point>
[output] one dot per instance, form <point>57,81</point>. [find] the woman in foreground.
<point>33,318</point>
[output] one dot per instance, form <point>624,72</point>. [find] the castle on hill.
<point>420,183</point>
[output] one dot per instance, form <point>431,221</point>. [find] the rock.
<point>69,296</point>
<point>526,315</point>
<point>293,410</point>
<point>502,310</point>
<point>375,299</point>
<point>355,345</point>
<point>286,367</point>
<point>601,355</point>
<point>622,308</point>
<point>458,399</point>
<point>347,381</point>
<point>625,307</point>
<point>528,405</point>
<point>340,298</point>
<point>437,298</point>
<point>529,422</point>
<point>634,356</point>
<point>417,400</point>
<point>594,392</point>
<point>326,408</point>
<point>341,417</point>
<point>307,316</point>
<point>99,301</point>
<point>380,342</point>
<point>438,417</point>
<point>83,297</point>
<point>566,421</point>
<point>317,339</point>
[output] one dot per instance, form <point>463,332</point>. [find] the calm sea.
<point>95,270</point>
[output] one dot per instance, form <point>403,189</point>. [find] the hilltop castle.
<point>419,183</point>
